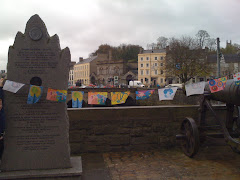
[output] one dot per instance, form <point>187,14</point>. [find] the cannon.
<point>194,132</point>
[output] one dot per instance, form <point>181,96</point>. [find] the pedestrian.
<point>2,119</point>
<point>158,86</point>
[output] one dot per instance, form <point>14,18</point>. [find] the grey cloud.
<point>86,26</point>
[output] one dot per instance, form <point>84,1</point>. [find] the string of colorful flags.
<point>35,92</point>
<point>99,98</point>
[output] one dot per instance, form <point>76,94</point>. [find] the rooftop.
<point>88,60</point>
<point>229,58</point>
<point>154,51</point>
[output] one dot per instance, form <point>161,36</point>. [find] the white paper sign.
<point>167,93</point>
<point>12,86</point>
<point>236,77</point>
<point>195,88</point>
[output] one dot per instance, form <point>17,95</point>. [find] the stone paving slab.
<point>211,162</point>
<point>94,167</point>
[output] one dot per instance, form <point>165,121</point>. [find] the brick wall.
<point>126,128</point>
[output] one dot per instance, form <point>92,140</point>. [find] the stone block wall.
<point>126,128</point>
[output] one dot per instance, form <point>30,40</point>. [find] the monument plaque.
<point>36,134</point>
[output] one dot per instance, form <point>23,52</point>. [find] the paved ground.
<point>172,164</point>
<point>212,162</point>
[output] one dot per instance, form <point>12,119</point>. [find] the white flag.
<point>195,88</point>
<point>236,76</point>
<point>167,93</point>
<point>12,86</point>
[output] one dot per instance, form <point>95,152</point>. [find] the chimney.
<point>81,59</point>
<point>167,49</point>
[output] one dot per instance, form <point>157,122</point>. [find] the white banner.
<point>167,93</point>
<point>12,86</point>
<point>195,88</point>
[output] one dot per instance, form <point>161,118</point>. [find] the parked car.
<point>91,86</point>
<point>136,84</point>
<point>83,86</point>
<point>174,85</point>
<point>123,85</point>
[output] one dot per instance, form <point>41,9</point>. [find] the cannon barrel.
<point>230,94</point>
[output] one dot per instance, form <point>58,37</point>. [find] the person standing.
<point>2,119</point>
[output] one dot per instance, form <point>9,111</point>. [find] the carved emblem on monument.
<point>35,33</point>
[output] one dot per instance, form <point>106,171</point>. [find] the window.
<point>201,79</point>
<point>141,72</point>
<point>147,58</point>
<point>156,72</point>
<point>142,80</point>
<point>161,64</point>
<point>146,80</point>
<point>141,58</point>
<point>161,71</point>
<point>147,72</point>
<point>161,57</point>
<point>161,80</point>
<point>155,58</point>
<point>155,64</point>
<point>147,65</point>
<point>141,65</point>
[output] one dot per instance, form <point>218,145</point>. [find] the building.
<point>71,74</point>
<point>85,68</point>
<point>116,72</point>
<point>151,67</point>
<point>229,65</point>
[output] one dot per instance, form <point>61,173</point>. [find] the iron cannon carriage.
<point>193,133</point>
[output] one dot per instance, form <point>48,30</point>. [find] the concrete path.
<point>215,160</point>
<point>94,167</point>
<point>218,162</point>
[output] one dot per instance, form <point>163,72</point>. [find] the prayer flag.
<point>216,85</point>
<point>77,98</point>
<point>34,94</point>
<point>97,98</point>
<point>119,97</point>
<point>12,86</point>
<point>141,95</point>
<point>236,78</point>
<point>167,93</point>
<point>56,95</point>
<point>195,88</point>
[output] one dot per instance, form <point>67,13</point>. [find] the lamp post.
<point>218,58</point>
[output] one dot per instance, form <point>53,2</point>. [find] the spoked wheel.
<point>190,143</point>
<point>236,130</point>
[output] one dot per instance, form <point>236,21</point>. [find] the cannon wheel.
<point>190,144</point>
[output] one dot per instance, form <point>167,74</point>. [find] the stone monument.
<point>37,135</point>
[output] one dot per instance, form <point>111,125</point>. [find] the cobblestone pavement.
<point>214,162</point>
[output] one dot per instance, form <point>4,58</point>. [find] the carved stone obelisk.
<point>36,134</point>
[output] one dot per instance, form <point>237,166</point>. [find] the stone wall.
<point>126,128</point>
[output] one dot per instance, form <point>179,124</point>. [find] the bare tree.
<point>185,59</point>
<point>202,36</point>
<point>212,44</point>
<point>162,42</point>
<point>152,46</point>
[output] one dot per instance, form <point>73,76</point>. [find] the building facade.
<point>116,72</point>
<point>85,68</point>
<point>71,74</point>
<point>151,67</point>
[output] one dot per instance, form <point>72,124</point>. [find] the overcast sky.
<point>83,25</point>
